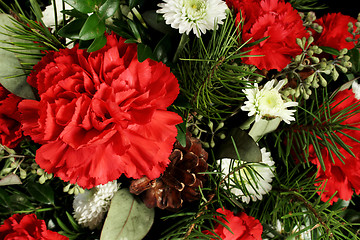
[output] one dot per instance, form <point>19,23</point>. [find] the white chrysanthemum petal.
<point>90,207</point>
<point>255,187</point>
<point>193,15</point>
<point>268,102</point>
<point>356,89</point>
<point>49,16</point>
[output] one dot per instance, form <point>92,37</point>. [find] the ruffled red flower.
<point>22,226</point>
<point>101,114</point>
<point>341,178</point>
<point>10,126</point>
<point>243,227</point>
<point>274,19</point>
<point>335,31</point>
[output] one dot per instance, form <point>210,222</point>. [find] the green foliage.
<point>216,90</point>
<point>90,23</point>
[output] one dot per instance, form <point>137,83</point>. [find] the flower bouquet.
<point>179,119</point>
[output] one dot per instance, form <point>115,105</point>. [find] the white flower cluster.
<point>268,102</point>
<point>193,15</point>
<point>256,186</point>
<point>90,207</point>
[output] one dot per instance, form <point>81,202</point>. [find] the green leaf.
<point>93,27</point>
<point>133,3</point>
<point>162,49</point>
<point>181,136</point>
<point>72,29</point>
<point>330,50</point>
<point>144,52</point>
<point>12,76</point>
<point>97,44</point>
<point>11,179</point>
<point>263,127</point>
<point>247,148</point>
<point>109,8</point>
<point>134,30</point>
<point>355,60</point>
<point>84,6</point>
<point>74,13</point>
<point>41,192</point>
<point>128,218</point>
<point>157,22</point>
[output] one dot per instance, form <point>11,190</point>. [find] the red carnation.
<point>101,114</point>
<point>22,226</point>
<point>335,31</point>
<point>243,227</point>
<point>10,127</point>
<point>276,20</point>
<point>343,178</point>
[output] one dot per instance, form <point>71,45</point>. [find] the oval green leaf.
<point>93,27</point>
<point>84,6</point>
<point>72,29</point>
<point>128,218</point>
<point>109,8</point>
<point>246,147</point>
<point>97,44</point>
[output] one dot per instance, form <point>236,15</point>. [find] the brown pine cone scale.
<point>180,181</point>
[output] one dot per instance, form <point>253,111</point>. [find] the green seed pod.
<point>39,171</point>
<point>300,43</point>
<point>67,187</point>
<point>22,173</point>
<point>310,53</point>
<point>42,179</point>
<point>322,80</point>
<point>342,68</point>
<point>335,74</point>
<point>315,59</point>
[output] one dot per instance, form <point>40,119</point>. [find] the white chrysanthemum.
<point>193,15</point>
<point>257,186</point>
<point>268,102</point>
<point>356,90</point>
<point>90,207</point>
<point>49,14</point>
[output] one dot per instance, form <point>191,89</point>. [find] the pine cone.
<point>179,182</point>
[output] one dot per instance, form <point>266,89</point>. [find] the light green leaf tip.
<point>128,218</point>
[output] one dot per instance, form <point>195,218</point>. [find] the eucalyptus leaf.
<point>128,218</point>
<point>93,27</point>
<point>247,148</point>
<point>12,76</point>
<point>109,8</point>
<point>263,127</point>
<point>11,179</point>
